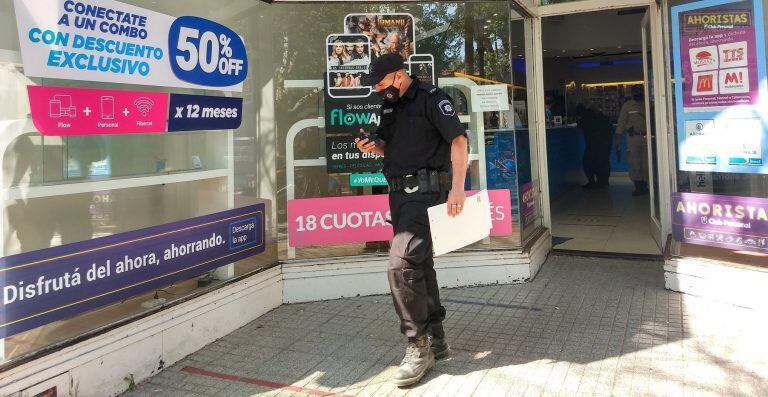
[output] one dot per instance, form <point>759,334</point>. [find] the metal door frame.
<point>655,14</point>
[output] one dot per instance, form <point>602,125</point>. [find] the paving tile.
<point>584,326</point>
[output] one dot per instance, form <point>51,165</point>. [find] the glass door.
<point>651,136</point>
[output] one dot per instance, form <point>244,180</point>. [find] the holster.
<point>428,181</point>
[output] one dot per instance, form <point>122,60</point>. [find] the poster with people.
<point>423,67</point>
<point>348,60</point>
<point>387,33</point>
<point>350,107</point>
<point>720,86</point>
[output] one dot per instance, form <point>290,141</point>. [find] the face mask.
<point>391,94</point>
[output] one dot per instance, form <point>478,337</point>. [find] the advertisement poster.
<point>528,200</point>
<point>202,112</point>
<point>423,67</point>
<point>62,111</point>
<point>344,117</point>
<point>387,33</point>
<point>348,60</point>
<point>67,111</point>
<point>737,223</point>
<point>718,52</point>
<point>721,87</point>
<point>109,41</point>
<point>358,219</point>
<point>47,285</point>
<point>343,157</point>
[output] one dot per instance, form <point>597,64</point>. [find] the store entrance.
<point>600,126</point>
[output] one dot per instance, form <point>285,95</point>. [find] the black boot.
<point>439,346</point>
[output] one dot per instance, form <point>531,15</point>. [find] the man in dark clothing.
<point>597,131</point>
<point>425,160</point>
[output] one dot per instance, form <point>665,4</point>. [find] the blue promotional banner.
<point>201,112</point>
<point>721,88</point>
<point>207,53</point>
<point>43,286</point>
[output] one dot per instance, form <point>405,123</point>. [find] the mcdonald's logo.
<point>705,83</point>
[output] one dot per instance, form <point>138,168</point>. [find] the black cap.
<point>383,66</point>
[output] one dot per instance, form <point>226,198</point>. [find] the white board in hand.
<point>472,225</point>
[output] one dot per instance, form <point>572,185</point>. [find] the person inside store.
<point>598,132</point>
<point>549,102</point>
<point>632,123</point>
<point>425,152</point>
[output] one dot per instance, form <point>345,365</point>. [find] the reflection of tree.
<point>301,30</point>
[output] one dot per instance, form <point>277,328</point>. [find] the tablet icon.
<point>61,106</point>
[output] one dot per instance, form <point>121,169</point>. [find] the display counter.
<point>505,149</point>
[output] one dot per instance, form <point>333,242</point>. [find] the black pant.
<point>412,277</point>
<point>597,158</point>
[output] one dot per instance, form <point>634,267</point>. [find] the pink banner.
<point>357,219</point>
<point>501,211</point>
<point>338,220</point>
<point>62,111</point>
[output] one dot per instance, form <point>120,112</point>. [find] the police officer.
<point>425,160</point>
<point>632,122</point>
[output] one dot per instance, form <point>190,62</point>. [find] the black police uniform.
<point>418,131</point>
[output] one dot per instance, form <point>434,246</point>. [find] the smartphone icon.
<point>55,109</point>
<point>107,108</point>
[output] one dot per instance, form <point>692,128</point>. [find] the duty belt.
<point>424,181</point>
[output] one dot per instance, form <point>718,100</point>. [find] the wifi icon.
<point>144,105</point>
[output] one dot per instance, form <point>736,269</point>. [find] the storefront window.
<point>62,190</point>
<point>472,45</point>
<point>289,150</point>
<point>708,177</point>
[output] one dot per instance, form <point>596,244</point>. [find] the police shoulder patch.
<point>446,108</point>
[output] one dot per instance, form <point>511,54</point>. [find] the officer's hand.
<point>456,198</point>
<point>365,145</point>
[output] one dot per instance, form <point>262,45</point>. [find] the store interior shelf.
<point>26,192</point>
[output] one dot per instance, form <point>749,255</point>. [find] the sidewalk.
<point>584,326</point>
